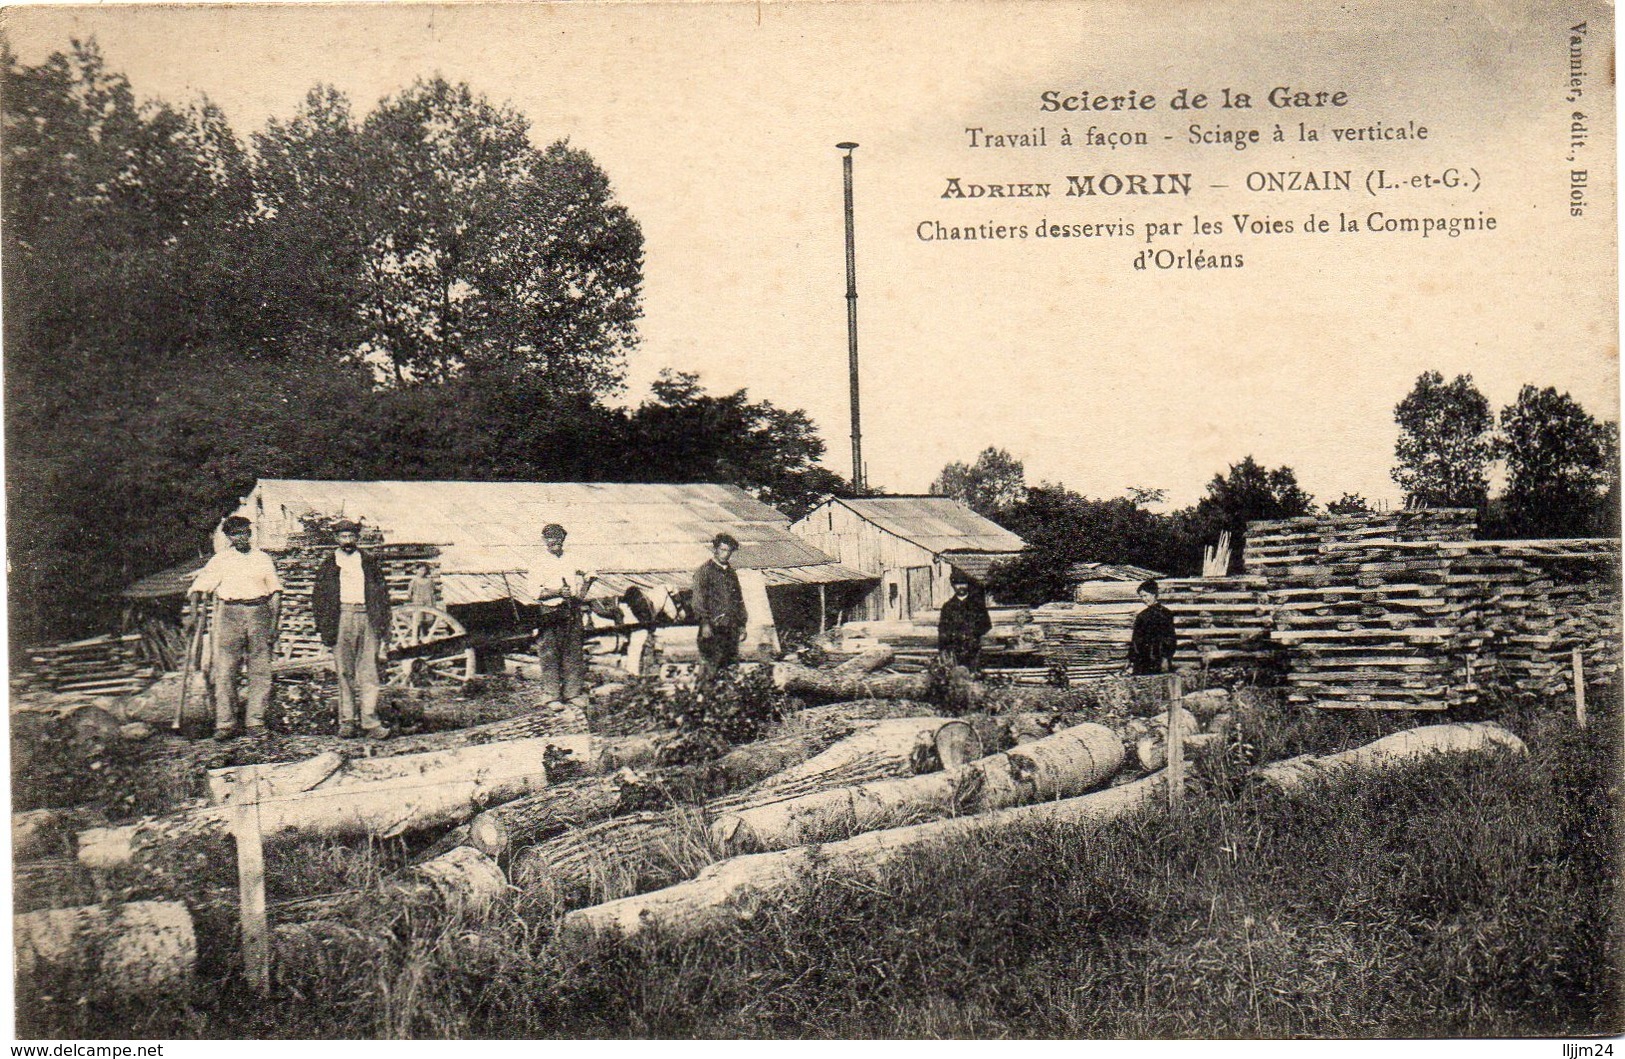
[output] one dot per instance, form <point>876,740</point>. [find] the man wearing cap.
<point>350,602</point>
<point>245,582</point>
<point>560,586</point>
<point>719,607</point>
<point>962,624</point>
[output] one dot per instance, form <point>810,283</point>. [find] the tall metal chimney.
<point>852,318</point>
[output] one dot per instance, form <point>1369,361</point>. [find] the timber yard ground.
<point>1474,896</point>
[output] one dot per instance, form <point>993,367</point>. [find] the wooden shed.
<point>911,543</point>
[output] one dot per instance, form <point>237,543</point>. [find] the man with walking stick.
<point>244,581</point>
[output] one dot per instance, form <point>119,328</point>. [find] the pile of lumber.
<point>1389,623</point>
<point>1012,648</point>
<point>101,665</point>
<point>1539,601</point>
<point>297,567</point>
<point>1378,624</point>
<point>1273,546</point>
<point>1222,622</point>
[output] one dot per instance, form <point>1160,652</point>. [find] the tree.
<point>433,240</point>
<point>1348,504</point>
<point>1562,467</point>
<point>1445,445</point>
<point>1062,528</point>
<point>687,435</point>
<point>1246,494</point>
<point>112,211</point>
<point>996,482</point>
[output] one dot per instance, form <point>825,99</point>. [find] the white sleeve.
<point>208,578</point>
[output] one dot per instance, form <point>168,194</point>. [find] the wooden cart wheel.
<point>418,626</point>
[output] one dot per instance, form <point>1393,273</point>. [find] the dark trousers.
<point>967,653</point>
<point>718,651</point>
<point>559,654</point>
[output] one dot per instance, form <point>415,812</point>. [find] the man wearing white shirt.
<point>245,581</point>
<point>349,601</point>
<point>560,586</point>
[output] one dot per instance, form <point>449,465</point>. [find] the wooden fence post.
<point>251,878</point>
<point>1176,747</point>
<point>1579,688</point>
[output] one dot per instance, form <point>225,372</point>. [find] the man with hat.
<point>560,587</point>
<point>962,624</point>
<point>350,602</point>
<point>718,605</point>
<point>244,581</point>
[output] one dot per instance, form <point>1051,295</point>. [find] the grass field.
<point>1474,897</point>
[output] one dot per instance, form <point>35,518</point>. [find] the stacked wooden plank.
<point>101,665</point>
<point>1089,639</point>
<point>1540,600</point>
<point>1276,545</point>
<point>1222,623</point>
<point>1378,623</point>
<point>297,567</point>
<point>1011,647</point>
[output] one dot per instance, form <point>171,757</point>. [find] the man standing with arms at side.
<point>245,581</point>
<point>350,602</point>
<point>961,625</point>
<point>560,587</point>
<point>1151,650</point>
<point>719,607</point>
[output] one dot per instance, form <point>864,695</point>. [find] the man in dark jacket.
<point>718,605</point>
<point>350,602</point>
<point>1151,650</point>
<point>962,625</point>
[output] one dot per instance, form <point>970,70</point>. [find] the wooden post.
<point>1579,688</point>
<point>244,795</point>
<point>822,604</point>
<point>1176,747</point>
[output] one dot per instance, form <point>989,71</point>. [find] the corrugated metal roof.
<point>936,523</point>
<point>494,528</point>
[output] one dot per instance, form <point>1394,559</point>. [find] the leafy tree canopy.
<point>1446,442</point>
<point>995,483</point>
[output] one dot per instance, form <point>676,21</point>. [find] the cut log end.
<point>957,744</point>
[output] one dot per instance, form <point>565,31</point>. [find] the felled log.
<point>621,851</point>
<point>1062,765</point>
<point>867,662</point>
<point>382,797</point>
<point>144,948</point>
<point>54,882</point>
<point>905,746</point>
<point>1123,694</point>
<point>1414,746</point>
<point>41,833</point>
<point>829,684</point>
<point>1152,754</point>
<point>735,889</point>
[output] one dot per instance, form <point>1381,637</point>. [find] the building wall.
<point>855,541</point>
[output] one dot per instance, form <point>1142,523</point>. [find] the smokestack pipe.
<point>852,318</point>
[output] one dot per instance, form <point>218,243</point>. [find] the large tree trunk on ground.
<point>1122,694</point>
<point>41,833</point>
<point>56,882</point>
<point>904,746</point>
<point>1060,766</point>
<point>867,662</point>
<point>144,948</point>
<point>591,798</point>
<point>1297,775</point>
<point>733,890</point>
<point>351,930</point>
<point>382,797</point>
<point>620,854</point>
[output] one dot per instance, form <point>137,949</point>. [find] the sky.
<point>717,125</point>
